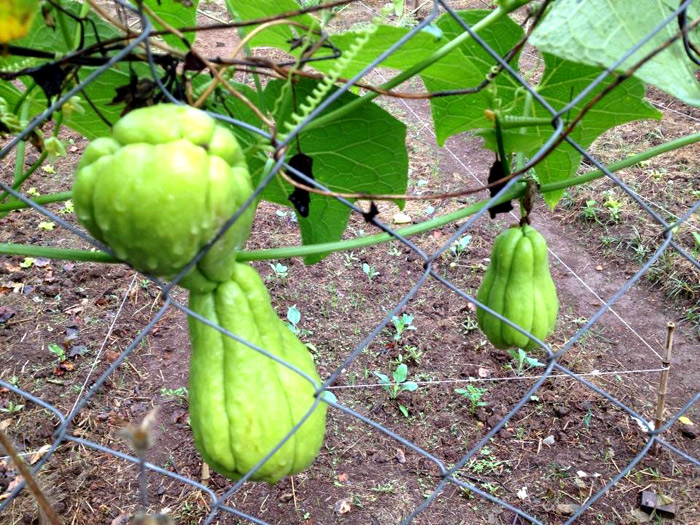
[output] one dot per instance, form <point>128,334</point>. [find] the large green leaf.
<point>467,67</point>
<point>623,104</point>
<point>462,68</point>
<point>176,14</point>
<point>562,80</point>
<point>365,151</point>
<point>599,32</point>
<point>278,36</point>
<point>100,91</point>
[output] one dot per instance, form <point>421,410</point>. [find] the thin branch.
<point>238,48</point>
<point>24,471</point>
<point>215,71</point>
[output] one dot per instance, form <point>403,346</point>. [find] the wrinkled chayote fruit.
<point>161,187</point>
<point>243,403</point>
<point>518,285</point>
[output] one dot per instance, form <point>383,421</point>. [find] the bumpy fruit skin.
<point>518,285</point>
<point>242,403</point>
<point>161,187</point>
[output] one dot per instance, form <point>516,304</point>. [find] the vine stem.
<point>43,199</point>
<point>369,240</point>
<point>322,120</point>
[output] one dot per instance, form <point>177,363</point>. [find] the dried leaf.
<point>12,486</point>
<point>39,454</point>
<point>402,218</point>
<point>77,350</point>
<point>400,456</point>
<point>6,313</point>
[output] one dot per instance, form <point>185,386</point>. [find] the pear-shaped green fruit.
<point>243,403</point>
<point>518,285</point>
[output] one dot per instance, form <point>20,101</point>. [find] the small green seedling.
<point>474,395</point>
<point>614,207</point>
<point>403,323</point>
<point>398,385</point>
<point>294,317</point>
<point>590,211</point>
<point>178,393</point>
<point>458,248</point>
<point>58,351</point>
<point>370,271</point>
<point>12,408</point>
<point>523,362</point>
<point>281,271</point>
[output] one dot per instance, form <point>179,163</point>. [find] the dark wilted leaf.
<point>6,313</point>
<point>498,172</point>
<point>50,78</point>
<point>300,198</point>
<point>138,93</point>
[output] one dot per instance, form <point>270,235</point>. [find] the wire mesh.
<point>447,475</point>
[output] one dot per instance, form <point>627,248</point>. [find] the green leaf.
<point>403,410</point>
<point>464,67</point>
<point>409,386</point>
<point>599,32</point>
<point>467,67</point>
<point>400,373</point>
<point>562,79</point>
<point>177,15</point>
<point>512,140</point>
<point>382,377</point>
<point>100,91</point>
<point>293,315</point>
<point>365,151</point>
<point>329,396</point>
<point>278,36</point>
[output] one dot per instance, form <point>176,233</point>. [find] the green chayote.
<point>161,187</point>
<point>242,403</point>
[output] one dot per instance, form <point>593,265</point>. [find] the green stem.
<point>28,91</point>
<point>625,163</point>
<point>56,253</point>
<point>408,73</point>
<point>527,107</point>
<point>67,38</point>
<point>43,199</point>
<point>16,184</point>
<point>362,242</point>
<point>20,154</point>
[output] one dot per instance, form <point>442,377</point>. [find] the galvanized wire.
<point>447,475</point>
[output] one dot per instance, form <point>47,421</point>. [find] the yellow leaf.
<point>16,18</point>
<point>685,421</point>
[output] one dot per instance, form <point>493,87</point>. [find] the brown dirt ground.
<point>96,311</point>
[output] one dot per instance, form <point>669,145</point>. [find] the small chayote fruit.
<point>517,284</point>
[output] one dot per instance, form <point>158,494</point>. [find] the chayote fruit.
<point>518,285</point>
<point>242,403</point>
<point>161,187</point>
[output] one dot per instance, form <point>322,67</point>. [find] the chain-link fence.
<point>501,66</point>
